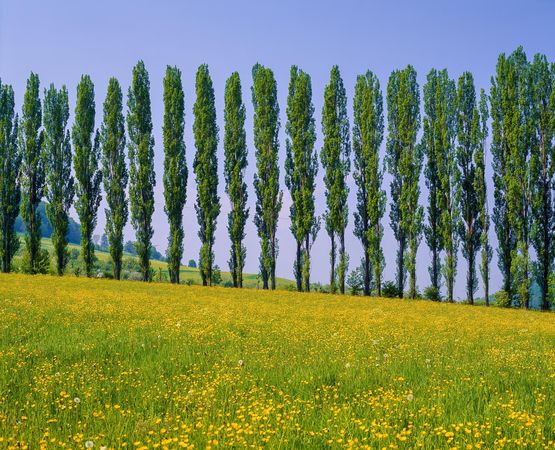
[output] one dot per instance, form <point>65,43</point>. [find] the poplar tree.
<point>404,163</point>
<point>431,130</point>
<point>503,109</point>
<point>59,180</point>
<point>114,170</point>
<point>510,104</point>
<point>30,141</point>
<point>10,189</point>
<point>142,179</point>
<point>542,170</point>
<point>469,141</point>
<point>235,147</point>
<point>85,159</point>
<point>335,158</point>
<point>266,180</point>
<point>206,170</point>
<point>368,133</point>
<point>301,167</point>
<point>175,167</point>
<point>448,192</point>
<point>480,186</point>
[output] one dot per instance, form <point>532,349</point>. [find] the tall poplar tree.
<point>335,158</point>
<point>114,170</point>
<point>502,115</point>
<point>86,159</point>
<point>175,167</point>
<point>10,189</point>
<point>266,180</point>
<point>510,104</point>
<point>31,139</point>
<point>448,192</point>
<point>404,163</point>
<point>469,141</point>
<point>368,133</point>
<point>206,170</point>
<point>431,130</point>
<point>235,147</point>
<point>542,171</point>
<point>142,179</point>
<point>59,180</point>
<point>301,167</point>
<point>480,186</point>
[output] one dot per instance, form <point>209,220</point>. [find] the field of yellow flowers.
<point>104,364</point>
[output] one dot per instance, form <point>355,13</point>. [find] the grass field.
<point>129,365</point>
<point>187,273</point>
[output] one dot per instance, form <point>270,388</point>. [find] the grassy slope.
<point>176,365</point>
<point>187,273</point>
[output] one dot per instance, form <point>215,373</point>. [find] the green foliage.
<point>30,141</point>
<point>432,293</point>
<point>10,189</point>
<point>216,276</point>
<point>480,187</point>
<point>192,263</point>
<point>206,170</point>
<point>40,266</point>
<point>235,147</point>
<point>86,159</point>
<point>502,299</point>
<point>175,167</point>
<point>404,163</point>
<point>142,179</point>
<point>442,97</point>
<point>368,131</point>
<point>57,161</point>
<point>335,158</point>
<point>355,281</point>
<point>266,179</point>
<point>432,132</point>
<point>469,135</point>
<point>301,168</point>
<point>542,171</point>
<point>114,169</point>
<point>390,289</point>
<point>505,130</point>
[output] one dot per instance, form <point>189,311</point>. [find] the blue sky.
<point>60,40</point>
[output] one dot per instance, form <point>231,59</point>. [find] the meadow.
<point>88,363</point>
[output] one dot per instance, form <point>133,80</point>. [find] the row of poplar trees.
<point>36,154</point>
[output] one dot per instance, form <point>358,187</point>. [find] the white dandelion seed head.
<point>57,374</point>
<point>241,363</point>
<point>76,400</point>
<point>348,365</point>
<point>89,444</point>
<point>410,397</point>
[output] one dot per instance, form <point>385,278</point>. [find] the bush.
<point>192,264</point>
<point>42,265</point>
<point>216,275</point>
<point>502,299</point>
<point>355,282</point>
<point>228,284</point>
<point>189,282</point>
<point>432,293</point>
<point>389,289</point>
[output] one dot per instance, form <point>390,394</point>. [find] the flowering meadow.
<point>100,364</point>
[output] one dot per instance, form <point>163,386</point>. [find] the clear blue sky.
<point>60,40</point>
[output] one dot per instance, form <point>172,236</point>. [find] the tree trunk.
<point>401,267</point>
<point>298,268</point>
<point>343,262</point>
<point>333,287</point>
<point>471,274</point>
<point>366,271</point>
<point>306,271</point>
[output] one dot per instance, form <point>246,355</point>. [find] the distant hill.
<point>73,234</point>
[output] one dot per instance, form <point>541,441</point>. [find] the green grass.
<point>135,365</point>
<point>188,274</point>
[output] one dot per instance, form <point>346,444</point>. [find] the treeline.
<point>42,157</point>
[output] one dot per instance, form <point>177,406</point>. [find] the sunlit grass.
<point>125,364</point>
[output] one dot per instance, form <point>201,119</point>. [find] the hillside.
<point>188,274</point>
<point>86,362</point>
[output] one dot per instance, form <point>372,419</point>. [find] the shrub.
<point>389,289</point>
<point>192,263</point>
<point>216,275</point>
<point>354,282</point>
<point>42,264</point>
<point>502,299</point>
<point>432,293</point>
